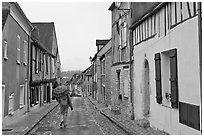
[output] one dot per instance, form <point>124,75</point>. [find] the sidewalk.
<point>132,127</point>
<point>26,122</point>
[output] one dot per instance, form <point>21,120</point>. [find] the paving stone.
<point>139,127</point>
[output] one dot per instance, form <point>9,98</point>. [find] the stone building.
<point>120,70</point>
<point>87,81</point>
<point>97,86</point>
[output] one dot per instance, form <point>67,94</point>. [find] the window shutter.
<point>158,78</point>
<point>174,78</point>
<point>36,60</point>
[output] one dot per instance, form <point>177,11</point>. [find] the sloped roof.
<point>6,9</point>
<point>45,34</point>
<point>5,12</point>
<point>112,6</point>
<point>88,72</point>
<point>102,42</point>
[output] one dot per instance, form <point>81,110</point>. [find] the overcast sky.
<point>77,26</point>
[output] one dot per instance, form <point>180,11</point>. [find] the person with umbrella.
<point>64,100</point>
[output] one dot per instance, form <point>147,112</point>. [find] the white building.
<point>167,78</point>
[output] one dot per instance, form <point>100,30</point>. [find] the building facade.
<point>120,70</point>
<point>87,81</point>
<point>16,29</point>
<point>30,63</point>
<point>105,73</point>
<point>166,40</point>
<point>52,64</point>
<point>97,83</point>
<point>40,76</point>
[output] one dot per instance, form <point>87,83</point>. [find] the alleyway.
<point>83,120</point>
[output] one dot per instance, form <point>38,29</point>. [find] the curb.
<point>129,132</point>
<point>26,132</point>
<point>125,129</point>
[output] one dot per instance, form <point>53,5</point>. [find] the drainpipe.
<point>29,70</point>
<point>131,77</point>
<point>200,53</point>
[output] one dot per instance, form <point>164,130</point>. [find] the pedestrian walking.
<point>64,103</point>
<point>64,100</point>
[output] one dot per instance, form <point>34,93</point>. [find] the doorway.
<point>146,93</point>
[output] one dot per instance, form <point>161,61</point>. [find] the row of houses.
<point>151,67</point>
<point>30,62</point>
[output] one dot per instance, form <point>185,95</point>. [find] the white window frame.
<point>22,96</point>
<point>5,50</point>
<point>53,66</point>
<point>3,98</point>
<point>18,50</point>
<point>25,44</point>
<point>11,104</point>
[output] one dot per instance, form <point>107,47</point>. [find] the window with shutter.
<point>158,78</point>
<point>25,53</point>
<point>36,62</point>
<point>18,48</point>
<point>174,78</point>
<point>5,50</point>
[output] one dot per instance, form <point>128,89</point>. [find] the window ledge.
<point>167,106</point>
<point>5,58</point>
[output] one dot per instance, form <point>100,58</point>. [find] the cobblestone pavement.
<point>84,119</point>
<point>106,125</point>
<point>133,127</point>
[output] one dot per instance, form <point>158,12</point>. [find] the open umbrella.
<point>60,91</point>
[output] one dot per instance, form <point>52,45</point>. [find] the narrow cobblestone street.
<point>83,120</point>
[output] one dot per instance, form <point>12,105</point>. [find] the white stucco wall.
<point>184,37</point>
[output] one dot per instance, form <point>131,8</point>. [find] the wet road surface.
<point>83,120</point>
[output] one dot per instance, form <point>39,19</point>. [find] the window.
<point>123,54</point>
<point>3,98</point>
<point>46,64</point>
<point>5,50</point>
<point>124,36</point>
<point>166,78</point>
<point>22,92</point>
<point>11,104</point>
<point>18,49</point>
<point>103,66</point>
<point>39,61</point>
<point>25,52</point>
<point>36,60</point>
<point>53,66</point>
